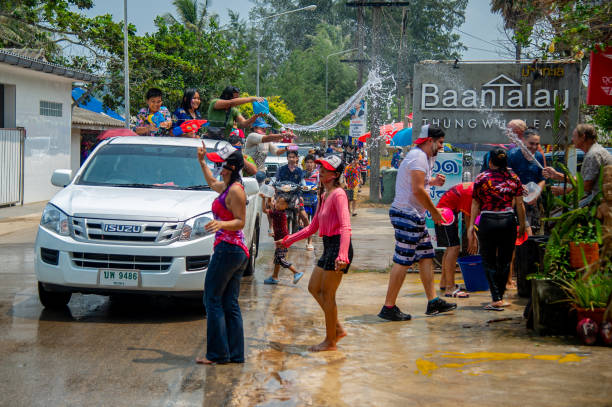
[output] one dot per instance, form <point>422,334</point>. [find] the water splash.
<point>375,87</point>
<point>516,140</point>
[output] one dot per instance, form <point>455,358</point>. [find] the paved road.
<point>140,352</point>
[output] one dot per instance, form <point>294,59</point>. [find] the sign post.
<point>472,102</point>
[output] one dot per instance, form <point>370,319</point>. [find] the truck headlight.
<point>55,220</point>
<point>194,228</point>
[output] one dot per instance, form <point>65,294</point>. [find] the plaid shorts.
<point>280,257</point>
<point>412,240</point>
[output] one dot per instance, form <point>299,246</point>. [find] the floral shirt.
<point>180,116</point>
<point>143,121</point>
<point>494,190</point>
<point>352,175</point>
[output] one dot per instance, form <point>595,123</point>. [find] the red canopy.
<point>122,132</point>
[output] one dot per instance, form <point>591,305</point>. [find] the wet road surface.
<point>140,351</point>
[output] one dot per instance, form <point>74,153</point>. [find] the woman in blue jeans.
<point>224,333</point>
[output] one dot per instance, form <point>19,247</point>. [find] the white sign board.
<point>359,119</point>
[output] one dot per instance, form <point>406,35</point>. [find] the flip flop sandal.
<point>458,294</point>
<point>491,307</point>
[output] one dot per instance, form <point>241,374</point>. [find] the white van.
<point>132,222</point>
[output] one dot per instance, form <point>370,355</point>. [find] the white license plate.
<point>119,278</point>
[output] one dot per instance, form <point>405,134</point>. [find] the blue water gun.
<point>156,118</point>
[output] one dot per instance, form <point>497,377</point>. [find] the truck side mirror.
<point>61,178</point>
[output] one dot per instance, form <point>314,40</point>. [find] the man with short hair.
<point>584,138</point>
<point>529,171</point>
<point>259,144</point>
<point>407,213</point>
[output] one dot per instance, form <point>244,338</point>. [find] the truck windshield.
<point>144,166</point>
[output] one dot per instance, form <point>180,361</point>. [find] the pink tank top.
<point>220,212</point>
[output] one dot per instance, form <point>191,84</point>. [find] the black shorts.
<point>331,247</point>
<point>350,194</point>
<point>448,236</point>
<point>280,257</point>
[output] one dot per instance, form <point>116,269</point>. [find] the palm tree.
<point>191,13</point>
<point>513,13</point>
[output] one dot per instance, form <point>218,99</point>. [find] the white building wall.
<point>48,143</point>
<point>75,151</point>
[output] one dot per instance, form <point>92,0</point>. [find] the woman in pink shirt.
<point>333,221</point>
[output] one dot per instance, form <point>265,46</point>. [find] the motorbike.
<point>310,198</point>
<point>291,192</point>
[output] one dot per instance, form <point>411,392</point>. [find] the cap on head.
<point>260,122</point>
<point>331,162</point>
<point>427,132</point>
<point>221,155</point>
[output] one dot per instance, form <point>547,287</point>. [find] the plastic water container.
<point>267,190</point>
<point>473,273</point>
<point>533,191</point>
<point>261,107</point>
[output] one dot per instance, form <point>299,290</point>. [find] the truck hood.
<point>167,205</point>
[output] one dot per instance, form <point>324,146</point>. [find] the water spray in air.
<point>373,87</point>
<point>516,140</point>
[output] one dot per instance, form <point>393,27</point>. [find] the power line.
<point>480,39</point>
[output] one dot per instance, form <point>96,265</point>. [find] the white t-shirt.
<point>258,150</point>
<point>416,159</point>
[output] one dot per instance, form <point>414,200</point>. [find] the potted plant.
<point>584,244</point>
<point>589,296</point>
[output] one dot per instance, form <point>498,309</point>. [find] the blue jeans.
<point>224,333</point>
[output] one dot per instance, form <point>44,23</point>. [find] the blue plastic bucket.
<point>473,273</point>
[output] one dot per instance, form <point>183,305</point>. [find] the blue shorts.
<point>412,241</point>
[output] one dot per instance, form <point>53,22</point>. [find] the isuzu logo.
<point>112,227</point>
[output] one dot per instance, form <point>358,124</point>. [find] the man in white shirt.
<point>259,144</point>
<point>407,214</point>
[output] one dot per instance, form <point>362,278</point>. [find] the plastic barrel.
<point>473,273</point>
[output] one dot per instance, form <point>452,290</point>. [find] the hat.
<point>423,136</point>
<point>222,154</point>
<point>260,122</point>
<point>331,162</point>
<point>427,132</point>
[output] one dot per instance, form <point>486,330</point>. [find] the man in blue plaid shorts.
<point>407,214</point>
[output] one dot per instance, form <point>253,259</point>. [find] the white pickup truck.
<point>132,221</point>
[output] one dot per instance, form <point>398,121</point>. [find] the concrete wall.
<point>75,151</point>
<point>48,139</point>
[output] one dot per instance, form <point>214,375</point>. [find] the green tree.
<point>518,15</point>
<point>191,13</point>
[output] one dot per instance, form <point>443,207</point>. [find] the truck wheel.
<point>250,267</point>
<point>52,299</point>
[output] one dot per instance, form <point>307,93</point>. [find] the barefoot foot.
<point>340,332</point>
<point>323,346</point>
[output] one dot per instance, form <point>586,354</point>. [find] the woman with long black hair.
<point>333,221</point>
<point>188,110</point>
<point>495,191</point>
<point>224,332</point>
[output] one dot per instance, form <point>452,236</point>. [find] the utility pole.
<point>399,77</point>
<point>375,127</point>
<point>376,105</point>
<point>360,45</point>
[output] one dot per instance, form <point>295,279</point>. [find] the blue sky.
<point>479,21</point>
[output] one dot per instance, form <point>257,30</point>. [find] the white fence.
<point>11,165</point>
